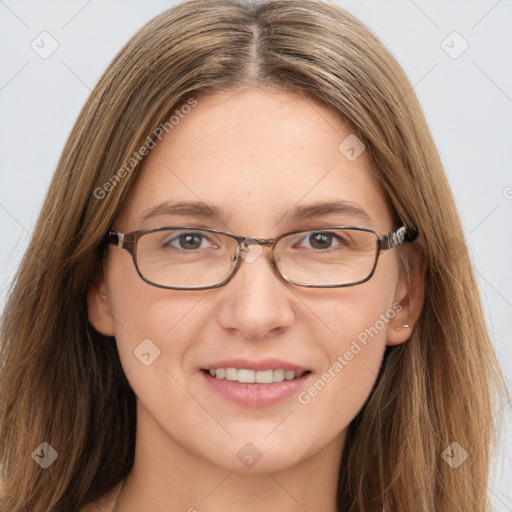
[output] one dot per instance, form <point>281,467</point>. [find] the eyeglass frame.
<point>128,242</point>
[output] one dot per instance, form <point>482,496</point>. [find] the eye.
<point>324,240</point>
<point>188,241</point>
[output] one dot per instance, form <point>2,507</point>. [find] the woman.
<point>241,290</point>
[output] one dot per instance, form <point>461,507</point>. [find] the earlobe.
<point>98,309</point>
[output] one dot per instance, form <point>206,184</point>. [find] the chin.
<point>259,455</point>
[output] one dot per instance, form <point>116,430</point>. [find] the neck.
<point>167,477</point>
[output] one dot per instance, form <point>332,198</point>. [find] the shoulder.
<point>105,503</point>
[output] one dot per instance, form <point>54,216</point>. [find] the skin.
<point>256,154</point>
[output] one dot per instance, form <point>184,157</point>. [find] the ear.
<point>98,308</point>
<point>410,294</point>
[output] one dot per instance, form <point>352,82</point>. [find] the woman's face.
<point>256,157</point>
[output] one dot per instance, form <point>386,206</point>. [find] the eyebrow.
<point>200,209</point>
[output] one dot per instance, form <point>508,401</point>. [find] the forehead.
<point>254,156</point>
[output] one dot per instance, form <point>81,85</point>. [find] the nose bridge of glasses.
<point>258,241</point>
<point>243,246</point>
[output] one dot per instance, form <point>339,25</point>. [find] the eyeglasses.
<point>189,258</point>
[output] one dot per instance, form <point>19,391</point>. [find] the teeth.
<point>278,376</point>
<point>251,376</point>
<point>231,374</point>
<point>264,377</point>
<point>246,376</point>
<point>289,375</point>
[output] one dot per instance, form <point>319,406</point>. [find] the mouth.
<point>247,376</point>
<point>256,388</point>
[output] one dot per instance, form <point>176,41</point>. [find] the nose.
<point>257,301</point>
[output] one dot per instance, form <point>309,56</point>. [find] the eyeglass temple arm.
<point>397,237</point>
<point>115,238</point>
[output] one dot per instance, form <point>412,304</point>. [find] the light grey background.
<point>467,101</point>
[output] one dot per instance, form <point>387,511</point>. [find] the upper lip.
<point>257,365</point>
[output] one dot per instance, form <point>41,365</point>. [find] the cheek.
<point>352,361</point>
<point>153,328</point>
<point>358,320</point>
<point>153,348</point>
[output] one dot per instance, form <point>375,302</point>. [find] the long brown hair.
<point>61,382</point>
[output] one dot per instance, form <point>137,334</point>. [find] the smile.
<point>246,376</point>
<point>255,388</point>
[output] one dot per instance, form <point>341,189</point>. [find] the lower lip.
<point>256,395</point>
